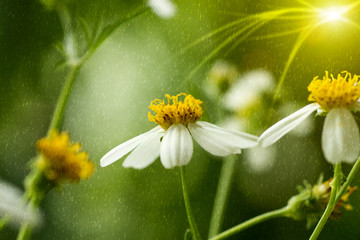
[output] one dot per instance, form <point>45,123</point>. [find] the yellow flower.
<point>61,159</point>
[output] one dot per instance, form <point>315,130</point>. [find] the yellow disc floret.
<point>329,93</point>
<point>175,111</point>
<point>61,159</point>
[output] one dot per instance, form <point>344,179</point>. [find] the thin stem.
<point>349,180</point>
<point>222,194</point>
<point>251,222</point>
<point>335,184</point>
<point>190,215</point>
<point>26,229</point>
<point>57,118</point>
<point>36,187</point>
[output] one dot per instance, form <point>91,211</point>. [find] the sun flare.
<point>333,13</point>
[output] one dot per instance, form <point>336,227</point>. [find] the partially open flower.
<point>335,98</point>
<point>312,200</point>
<point>62,160</point>
<point>178,122</point>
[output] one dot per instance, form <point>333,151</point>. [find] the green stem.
<point>36,186</point>
<point>251,222</point>
<point>335,184</point>
<point>222,194</point>
<point>190,215</point>
<point>349,180</point>
<point>58,115</point>
<point>26,229</point>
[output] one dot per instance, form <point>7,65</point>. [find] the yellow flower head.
<point>61,159</point>
<point>175,111</point>
<point>340,92</point>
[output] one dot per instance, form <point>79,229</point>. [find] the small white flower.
<point>336,98</point>
<point>163,8</point>
<point>248,89</point>
<point>172,140</point>
<point>220,77</point>
<point>14,209</point>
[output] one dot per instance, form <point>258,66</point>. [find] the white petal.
<point>219,141</point>
<point>163,8</point>
<point>146,153</point>
<point>176,147</point>
<point>124,148</point>
<point>340,137</point>
<point>15,209</point>
<point>279,129</point>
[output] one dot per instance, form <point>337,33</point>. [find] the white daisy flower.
<point>172,139</point>
<point>335,97</point>
<point>14,209</point>
<point>163,8</point>
<point>248,89</point>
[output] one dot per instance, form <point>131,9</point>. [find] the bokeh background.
<point>144,59</point>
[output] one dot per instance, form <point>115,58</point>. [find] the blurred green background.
<point>142,60</point>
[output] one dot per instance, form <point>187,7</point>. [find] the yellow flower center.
<point>175,111</point>
<point>61,159</point>
<point>329,93</point>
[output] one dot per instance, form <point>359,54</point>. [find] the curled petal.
<point>176,147</point>
<point>146,153</point>
<point>279,129</point>
<point>219,141</point>
<point>340,136</point>
<point>126,147</point>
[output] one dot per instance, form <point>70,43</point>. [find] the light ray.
<point>217,49</point>
<point>300,40</point>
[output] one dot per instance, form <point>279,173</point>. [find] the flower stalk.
<point>222,194</point>
<point>189,212</point>
<point>57,119</point>
<point>335,185</point>
<point>36,187</point>
<point>354,170</point>
<point>283,212</point>
<point>36,184</point>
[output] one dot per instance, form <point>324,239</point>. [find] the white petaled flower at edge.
<point>14,209</point>
<point>172,140</point>
<point>162,8</point>
<point>248,89</point>
<point>335,98</point>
